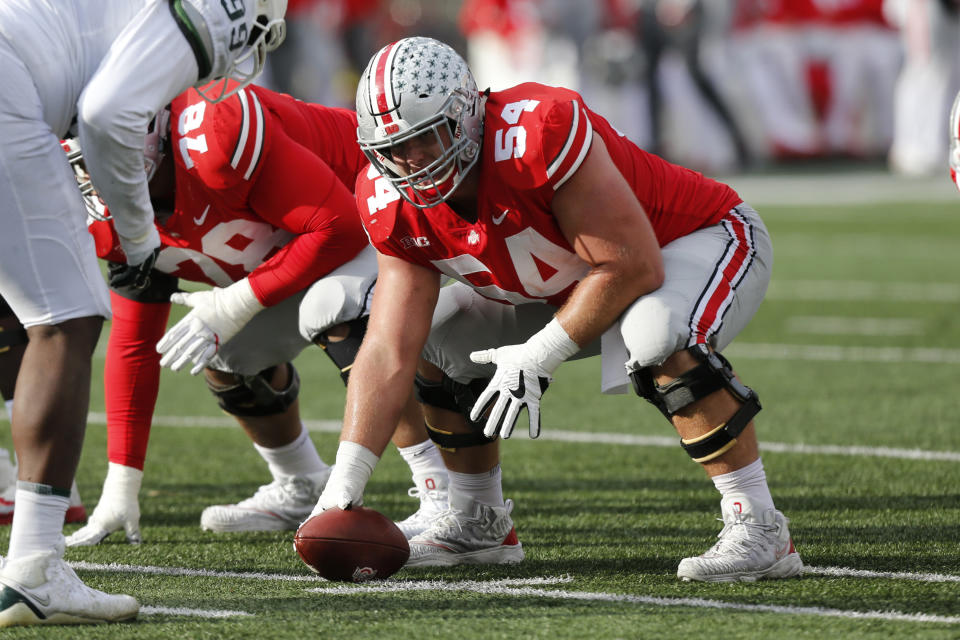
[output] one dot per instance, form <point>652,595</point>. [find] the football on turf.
<point>352,545</point>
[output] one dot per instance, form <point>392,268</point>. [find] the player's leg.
<point>13,343</point>
<point>715,281</point>
<point>131,376</point>
<point>50,278</point>
<point>334,317</point>
<point>478,527</point>
<point>267,407</point>
<point>254,380</point>
<point>250,383</point>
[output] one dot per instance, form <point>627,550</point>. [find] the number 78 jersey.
<point>535,138</point>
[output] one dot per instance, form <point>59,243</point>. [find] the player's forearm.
<point>301,262</point>
<point>601,297</point>
<point>380,384</point>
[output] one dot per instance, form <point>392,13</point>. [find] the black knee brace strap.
<point>344,352</point>
<point>712,374</point>
<point>254,397</point>
<point>12,338</point>
<point>453,396</point>
<point>450,441</point>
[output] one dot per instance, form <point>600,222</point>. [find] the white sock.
<point>37,520</point>
<point>479,487</point>
<point>748,483</point>
<point>426,465</point>
<point>299,458</point>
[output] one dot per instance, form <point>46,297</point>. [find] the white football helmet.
<point>413,87</point>
<point>154,150</point>
<point>267,33</point>
<point>955,141</point>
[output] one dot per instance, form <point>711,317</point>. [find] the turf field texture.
<point>856,357</point>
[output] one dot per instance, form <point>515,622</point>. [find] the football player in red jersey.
<point>566,241</point>
<point>253,196</point>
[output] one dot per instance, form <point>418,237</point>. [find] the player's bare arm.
<point>382,376</point>
<point>384,370</point>
<point>607,227</point>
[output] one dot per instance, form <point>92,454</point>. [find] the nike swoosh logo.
<point>44,602</point>
<point>503,215</point>
<point>203,216</point>
<point>521,389</point>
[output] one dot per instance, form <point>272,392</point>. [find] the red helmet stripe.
<point>382,89</point>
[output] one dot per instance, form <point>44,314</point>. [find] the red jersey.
<point>263,189</point>
<point>535,138</point>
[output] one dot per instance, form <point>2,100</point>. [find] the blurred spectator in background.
<point>718,85</point>
<point>930,32</point>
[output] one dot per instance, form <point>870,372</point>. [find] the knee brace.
<point>254,397</point>
<point>712,374</point>
<point>453,396</point>
<point>344,352</point>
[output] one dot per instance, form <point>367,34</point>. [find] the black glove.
<point>136,276</point>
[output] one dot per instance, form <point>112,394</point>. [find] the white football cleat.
<point>468,533</point>
<point>42,589</point>
<point>279,506</point>
<point>434,500</point>
<point>750,547</point>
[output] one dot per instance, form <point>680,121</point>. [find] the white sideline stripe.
<point>530,592</point>
<point>333,426</point>
<point>199,613</point>
<point>850,290</point>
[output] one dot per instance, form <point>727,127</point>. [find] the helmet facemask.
<point>436,182</point>
<point>420,88</point>
<point>154,151</point>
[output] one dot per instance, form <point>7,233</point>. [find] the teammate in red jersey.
<point>254,196</point>
<point>566,241</point>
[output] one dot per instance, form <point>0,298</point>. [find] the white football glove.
<point>217,315</point>
<point>523,373</point>
<point>352,470</point>
<point>118,509</point>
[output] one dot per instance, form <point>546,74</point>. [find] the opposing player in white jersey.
<point>566,241</point>
<point>104,67</point>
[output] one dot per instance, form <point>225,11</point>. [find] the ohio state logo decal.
<point>362,574</point>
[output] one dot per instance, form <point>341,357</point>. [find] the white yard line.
<point>587,437</point>
<point>854,326</point>
<point>196,613</point>
<point>843,572</point>
<point>592,596</point>
<point>530,588</point>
